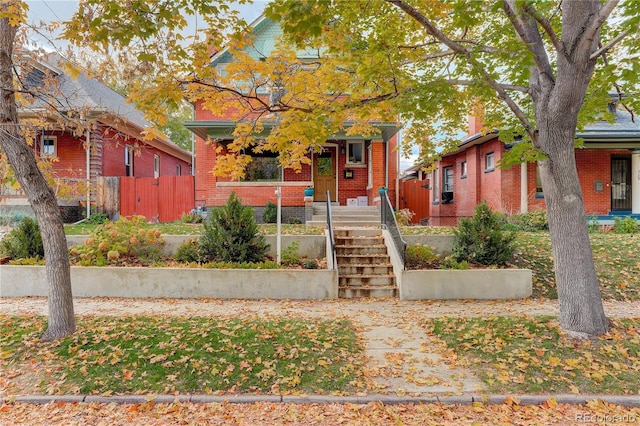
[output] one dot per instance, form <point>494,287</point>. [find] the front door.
<point>324,174</point>
<point>620,183</point>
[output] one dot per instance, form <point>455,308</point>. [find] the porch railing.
<point>388,219</point>
<point>332,238</point>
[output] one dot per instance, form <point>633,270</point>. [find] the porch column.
<point>635,182</point>
<point>524,193</point>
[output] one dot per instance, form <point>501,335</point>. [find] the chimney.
<point>476,121</point>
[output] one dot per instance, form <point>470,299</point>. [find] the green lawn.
<point>111,355</point>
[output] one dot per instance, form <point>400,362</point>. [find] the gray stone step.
<point>357,232</point>
<point>366,291</point>
<point>341,240</point>
<point>346,280</point>
<point>364,259</point>
<point>354,269</point>
<point>363,249</point>
<point>349,224</point>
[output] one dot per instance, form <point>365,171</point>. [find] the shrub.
<point>191,218</point>
<point>310,264</point>
<point>295,221</point>
<point>189,251</point>
<point>628,225</point>
<point>231,234</point>
<point>270,214</point>
<point>289,255</point>
<point>127,239</point>
<point>593,224</point>
<point>24,241</point>
<point>97,218</point>
<point>418,256</point>
<point>403,216</point>
<point>481,240</point>
<point>531,221</point>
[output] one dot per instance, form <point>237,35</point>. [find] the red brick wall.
<point>71,156</point>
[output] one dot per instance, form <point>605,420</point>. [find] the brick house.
<point>351,168</point>
<point>109,143</point>
<point>608,168</point>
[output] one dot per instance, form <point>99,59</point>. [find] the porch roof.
<point>223,129</point>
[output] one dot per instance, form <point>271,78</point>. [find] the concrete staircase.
<point>345,216</point>
<point>364,267</point>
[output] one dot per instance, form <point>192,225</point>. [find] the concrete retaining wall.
<point>309,245</point>
<point>441,243</point>
<point>466,284</point>
<point>19,281</point>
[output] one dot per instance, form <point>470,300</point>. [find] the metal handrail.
<point>388,219</point>
<point>332,237</point>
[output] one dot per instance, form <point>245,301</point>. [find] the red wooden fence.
<point>414,195</point>
<point>164,199</point>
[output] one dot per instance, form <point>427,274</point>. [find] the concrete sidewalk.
<point>403,359</point>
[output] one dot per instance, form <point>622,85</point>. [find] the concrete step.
<point>358,241</point>
<point>365,280</point>
<point>364,259</point>
<point>366,291</point>
<point>370,250</point>
<point>344,224</point>
<point>357,218</point>
<point>357,232</point>
<point>354,269</point>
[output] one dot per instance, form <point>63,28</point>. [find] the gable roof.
<point>266,34</point>
<point>101,103</point>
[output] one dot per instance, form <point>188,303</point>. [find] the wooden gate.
<point>415,197</point>
<point>164,199</point>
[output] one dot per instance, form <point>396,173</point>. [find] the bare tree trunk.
<point>42,199</point>
<point>580,302</point>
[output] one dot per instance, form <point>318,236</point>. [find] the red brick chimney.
<point>476,121</point>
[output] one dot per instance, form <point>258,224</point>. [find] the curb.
<point>623,400</point>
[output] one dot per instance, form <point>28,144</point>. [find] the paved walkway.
<point>403,359</point>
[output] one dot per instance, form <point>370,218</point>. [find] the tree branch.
<point>461,50</point>
<point>603,49</point>
<point>603,15</point>
<point>545,24</point>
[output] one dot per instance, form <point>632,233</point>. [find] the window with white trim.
<point>178,169</point>
<point>355,152</point>
<point>156,166</point>
<point>489,162</point>
<point>447,184</point>
<point>48,146</point>
<point>463,170</point>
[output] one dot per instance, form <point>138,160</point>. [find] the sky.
<point>61,10</point>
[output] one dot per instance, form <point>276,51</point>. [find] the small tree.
<point>24,241</point>
<point>231,234</point>
<point>482,240</point>
<point>270,214</point>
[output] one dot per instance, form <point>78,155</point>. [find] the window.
<point>178,170</point>
<point>436,187</point>
<point>539,193</point>
<point>128,161</point>
<point>263,169</point>
<point>463,170</point>
<point>156,166</point>
<point>447,185</point>
<point>489,162</point>
<point>48,146</point>
<point>447,179</point>
<point>355,152</point>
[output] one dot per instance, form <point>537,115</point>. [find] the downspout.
<point>88,166</point>
<point>386,163</point>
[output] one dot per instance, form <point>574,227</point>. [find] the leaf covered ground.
<point>375,414</point>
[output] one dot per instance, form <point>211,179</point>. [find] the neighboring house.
<point>608,167</point>
<point>109,143</point>
<point>351,168</point>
